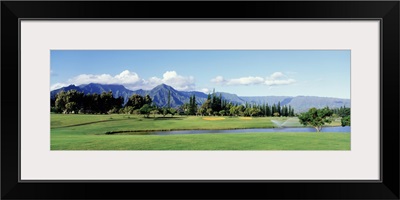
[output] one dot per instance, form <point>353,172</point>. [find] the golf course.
<point>136,132</point>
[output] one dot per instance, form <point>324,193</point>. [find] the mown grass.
<point>87,132</point>
<point>243,141</point>
<point>97,124</point>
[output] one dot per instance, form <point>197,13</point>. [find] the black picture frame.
<point>386,11</point>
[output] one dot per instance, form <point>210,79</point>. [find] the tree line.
<point>73,101</point>
<point>344,113</point>
<point>215,105</point>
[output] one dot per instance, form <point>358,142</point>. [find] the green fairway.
<point>87,132</point>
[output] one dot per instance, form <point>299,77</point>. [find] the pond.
<point>338,129</point>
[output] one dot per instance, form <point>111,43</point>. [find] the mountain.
<point>117,90</point>
<point>99,88</point>
<point>159,94</point>
<point>70,87</point>
<point>231,97</point>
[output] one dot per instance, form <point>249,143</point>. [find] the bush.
<point>113,111</point>
<point>345,121</point>
<point>54,110</point>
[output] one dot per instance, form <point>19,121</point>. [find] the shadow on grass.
<point>55,123</point>
<point>94,122</point>
<point>133,132</point>
<point>168,118</point>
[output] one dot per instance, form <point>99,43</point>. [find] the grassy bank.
<point>245,141</point>
<point>87,132</point>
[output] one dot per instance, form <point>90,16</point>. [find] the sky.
<point>324,73</point>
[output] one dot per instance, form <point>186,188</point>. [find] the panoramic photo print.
<point>200,100</point>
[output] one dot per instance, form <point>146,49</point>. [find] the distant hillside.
<point>267,99</point>
<point>300,103</point>
<point>159,94</point>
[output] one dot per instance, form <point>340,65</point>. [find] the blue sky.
<point>242,72</point>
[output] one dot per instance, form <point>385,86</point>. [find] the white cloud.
<point>205,90</point>
<point>168,75</point>
<point>277,78</point>
<point>218,80</point>
<point>277,75</point>
<point>131,80</point>
<point>57,86</point>
<point>126,78</point>
<point>178,82</point>
<point>279,82</point>
<point>246,81</point>
<point>173,79</point>
<point>238,81</point>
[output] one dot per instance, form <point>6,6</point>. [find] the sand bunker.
<point>245,118</point>
<point>213,118</point>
